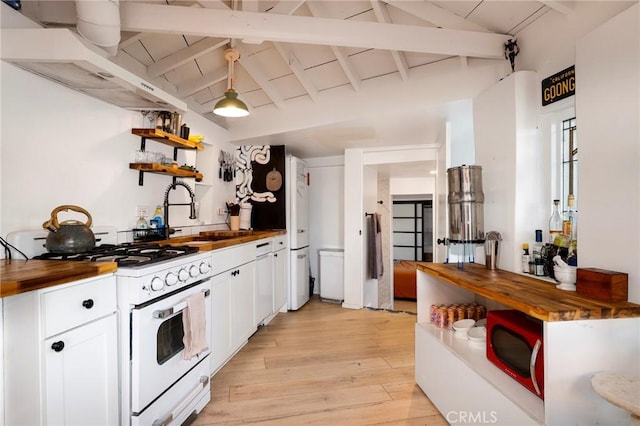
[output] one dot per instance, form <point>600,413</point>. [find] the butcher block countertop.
<point>20,276</point>
<point>537,298</point>
<point>212,240</point>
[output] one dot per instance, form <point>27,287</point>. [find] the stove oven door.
<point>157,347</point>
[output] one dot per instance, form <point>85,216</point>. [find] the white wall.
<point>510,153</point>
<point>326,213</point>
<point>412,186</point>
<point>608,111</point>
<point>62,147</point>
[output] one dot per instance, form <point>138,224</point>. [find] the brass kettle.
<point>70,236</point>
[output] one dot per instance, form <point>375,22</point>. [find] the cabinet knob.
<point>88,303</point>
<point>57,346</point>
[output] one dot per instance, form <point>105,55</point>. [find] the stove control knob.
<point>183,275</point>
<point>204,267</point>
<point>194,271</point>
<point>157,284</point>
<point>171,279</point>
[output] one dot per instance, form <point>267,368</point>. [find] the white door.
<point>298,199</point>
<point>264,287</point>
<point>299,290</point>
<point>440,251</point>
<point>279,280</point>
<point>243,324</point>
<point>157,347</point>
<point>220,320</point>
<point>81,380</point>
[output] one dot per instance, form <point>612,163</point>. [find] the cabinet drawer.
<point>279,242</point>
<point>77,304</point>
<point>225,259</point>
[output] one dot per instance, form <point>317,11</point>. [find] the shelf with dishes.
<point>167,139</point>
<point>166,170</point>
<point>159,167</point>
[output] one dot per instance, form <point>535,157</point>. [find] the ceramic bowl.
<point>565,275</point>
<point>463,325</point>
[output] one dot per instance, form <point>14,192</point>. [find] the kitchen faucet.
<point>192,213</point>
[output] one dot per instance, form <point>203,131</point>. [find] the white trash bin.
<point>331,274</point>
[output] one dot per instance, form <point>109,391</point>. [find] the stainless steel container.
<point>491,249</point>
<point>466,204</point>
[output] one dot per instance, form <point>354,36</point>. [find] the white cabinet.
<point>232,303</point>
<point>80,374</point>
<point>280,274</point>
<point>264,281</point>
<point>221,320</point>
<point>61,355</point>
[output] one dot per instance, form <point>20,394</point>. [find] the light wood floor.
<point>324,365</point>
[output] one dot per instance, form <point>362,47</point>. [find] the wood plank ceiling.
<point>294,49</point>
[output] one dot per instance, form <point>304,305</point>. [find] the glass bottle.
<point>525,258</point>
<point>570,228</point>
<point>142,221</point>
<point>555,222</point>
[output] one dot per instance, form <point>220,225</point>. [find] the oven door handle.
<point>180,407</point>
<point>164,313</point>
<point>532,366</point>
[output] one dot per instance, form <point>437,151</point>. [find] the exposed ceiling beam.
<point>185,55</point>
<point>209,79</point>
<point>436,15</point>
<point>286,7</point>
<point>347,67</point>
<point>131,39</point>
<point>212,4</point>
<point>298,70</point>
<point>382,14</point>
<point>259,77</point>
<point>318,10</point>
<point>564,7</point>
<point>165,19</point>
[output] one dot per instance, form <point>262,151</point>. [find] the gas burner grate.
<point>125,255</point>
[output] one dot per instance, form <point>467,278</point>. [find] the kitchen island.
<point>581,337</point>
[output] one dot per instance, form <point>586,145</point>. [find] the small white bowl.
<point>481,323</point>
<point>463,325</point>
<point>565,275</point>
<point>477,334</point>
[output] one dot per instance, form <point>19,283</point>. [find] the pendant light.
<point>230,105</point>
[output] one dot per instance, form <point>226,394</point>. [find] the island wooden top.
<point>20,276</point>
<point>537,298</point>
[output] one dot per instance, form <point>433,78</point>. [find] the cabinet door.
<point>279,280</point>
<point>221,348</point>
<point>264,287</point>
<point>242,302</point>
<point>81,375</point>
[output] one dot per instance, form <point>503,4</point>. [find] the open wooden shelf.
<point>165,170</point>
<point>167,139</point>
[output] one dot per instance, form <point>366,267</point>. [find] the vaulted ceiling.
<point>297,56</point>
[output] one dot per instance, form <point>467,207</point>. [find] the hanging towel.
<point>195,326</point>
<point>374,246</point>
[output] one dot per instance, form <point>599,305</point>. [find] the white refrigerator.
<point>297,190</point>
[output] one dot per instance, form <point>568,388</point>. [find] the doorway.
<point>413,230</point>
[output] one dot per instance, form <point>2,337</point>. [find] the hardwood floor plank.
<point>339,379</point>
<point>323,365</point>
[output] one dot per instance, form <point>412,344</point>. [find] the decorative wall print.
<point>254,163</point>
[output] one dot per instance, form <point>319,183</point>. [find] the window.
<point>413,230</point>
<point>569,170</point>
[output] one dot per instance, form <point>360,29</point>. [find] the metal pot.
<point>70,236</point>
